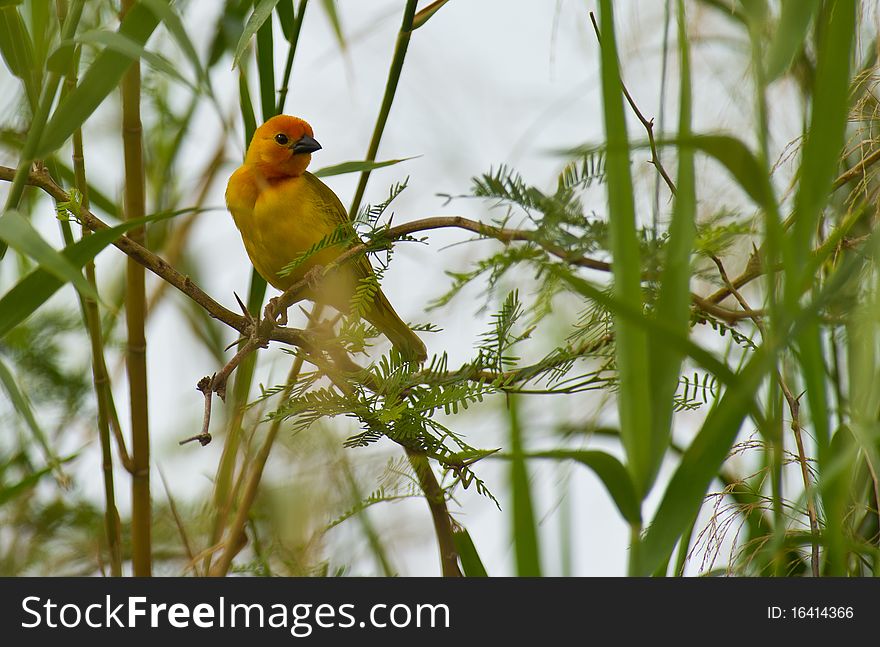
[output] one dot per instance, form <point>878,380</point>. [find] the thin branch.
<point>794,408</point>
<point>856,170</point>
<point>235,535</point>
<point>436,498</point>
<point>647,123</point>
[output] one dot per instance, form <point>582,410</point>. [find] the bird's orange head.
<point>282,147</point>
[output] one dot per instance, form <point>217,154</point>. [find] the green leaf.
<point>467,553</point>
<point>634,396</point>
<point>425,14</point>
<point>825,137</point>
<point>611,472</point>
<point>261,13</point>
<point>674,300</point>
<point>34,289</point>
<point>174,25</point>
<point>525,532</point>
<point>21,236</point>
<point>789,37</point>
<point>19,401</point>
<point>9,492</point>
<point>335,22</point>
<point>700,464</point>
<point>248,116</point>
<point>357,167</point>
<point>728,151</point>
<point>266,69</point>
<point>18,51</point>
<point>102,78</point>
<point>286,18</point>
<point>739,161</point>
<point>124,45</point>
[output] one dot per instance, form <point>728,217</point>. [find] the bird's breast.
<point>286,221</point>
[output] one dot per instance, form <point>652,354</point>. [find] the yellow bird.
<point>282,210</point>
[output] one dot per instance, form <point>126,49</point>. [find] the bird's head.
<point>282,147</point>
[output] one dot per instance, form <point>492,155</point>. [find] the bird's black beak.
<point>306,144</point>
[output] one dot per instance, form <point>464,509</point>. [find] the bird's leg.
<point>276,311</point>
<point>313,277</point>
<point>276,308</point>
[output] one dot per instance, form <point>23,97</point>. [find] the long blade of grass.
<point>248,115</point>
<point>335,22</point>
<point>20,402</point>
<point>18,51</point>
<point>634,397</point>
<point>824,141</point>
<point>266,68</point>
<point>261,13</point>
<point>825,137</point>
<point>790,34</point>
<point>35,289</point>
<point>424,15</point>
<point>525,532</point>
<point>357,167</point>
<point>18,233</point>
<point>102,78</point>
<point>292,25</point>
<point>611,472</point>
<point>699,465</point>
<point>118,42</point>
<point>673,303</point>
<point>467,552</point>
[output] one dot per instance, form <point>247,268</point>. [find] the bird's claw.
<point>275,311</point>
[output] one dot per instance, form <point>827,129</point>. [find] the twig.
<point>236,535</point>
<point>856,170</point>
<point>794,408</point>
<point>647,123</point>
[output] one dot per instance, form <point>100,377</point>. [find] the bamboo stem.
<point>91,317</point>
<point>235,535</point>
<point>390,89</point>
<point>135,315</point>
<point>291,52</point>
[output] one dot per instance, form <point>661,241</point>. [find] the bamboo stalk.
<point>92,321</point>
<point>135,314</point>
<point>390,90</point>
<point>235,536</point>
<point>291,51</point>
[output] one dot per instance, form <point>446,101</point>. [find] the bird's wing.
<point>330,204</point>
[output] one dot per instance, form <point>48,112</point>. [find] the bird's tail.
<point>407,343</point>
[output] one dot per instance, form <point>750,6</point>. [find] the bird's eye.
<point>282,139</point>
